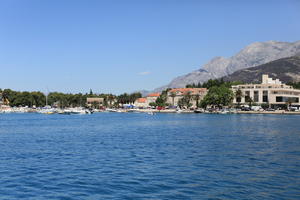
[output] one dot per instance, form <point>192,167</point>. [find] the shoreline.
<point>167,111</point>
<point>281,112</point>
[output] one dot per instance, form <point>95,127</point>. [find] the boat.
<point>223,111</point>
<point>178,111</point>
<point>47,110</point>
<point>111,110</point>
<point>199,111</point>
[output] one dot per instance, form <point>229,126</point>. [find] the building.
<point>151,98</point>
<point>94,101</point>
<point>272,92</point>
<point>146,101</point>
<point>141,103</point>
<point>197,94</point>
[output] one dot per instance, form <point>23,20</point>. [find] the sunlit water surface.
<point>139,156</point>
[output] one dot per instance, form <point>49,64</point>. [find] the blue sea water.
<point>139,156</point>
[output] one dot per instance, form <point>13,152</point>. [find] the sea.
<point>140,156</point>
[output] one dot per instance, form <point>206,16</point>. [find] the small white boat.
<point>223,111</point>
<point>111,110</point>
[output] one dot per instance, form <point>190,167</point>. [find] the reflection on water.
<point>138,156</point>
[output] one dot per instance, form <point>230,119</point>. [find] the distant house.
<point>174,95</point>
<point>145,101</point>
<point>141,103</point>
<point>151,98</point>
<point>94,101</point>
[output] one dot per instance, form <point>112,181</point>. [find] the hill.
<point>255,54</point>
<point>285,69</point>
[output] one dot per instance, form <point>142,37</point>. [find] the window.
<point>265,96</point>
<point>256,96</point>
<point>287,99</point>
<point>247,96</point>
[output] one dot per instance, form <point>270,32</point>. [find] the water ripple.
<point>135,156</point>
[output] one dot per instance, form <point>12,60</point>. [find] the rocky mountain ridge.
<point>255,54</point>
<point>285,69</point>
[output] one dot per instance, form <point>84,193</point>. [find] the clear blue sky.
<point>123,46</point>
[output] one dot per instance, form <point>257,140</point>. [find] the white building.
<point>272,92</point>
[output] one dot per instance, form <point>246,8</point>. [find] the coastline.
<point>152,111</point>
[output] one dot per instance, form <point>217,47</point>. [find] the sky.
<point>117,46</point>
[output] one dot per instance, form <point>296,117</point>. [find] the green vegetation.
<point>295,85</point>
<point>249,100</point>
<point>185,101</point>
<point>219,93</point>
<point>23,98</point>
<point>128,98</point>
<point>197,98</point>
<point>218,97</point>
<point>62,100</point>
<point>161,101</point>
<point>173,95</point>
<point>238,95</point>
<point>216,82</point>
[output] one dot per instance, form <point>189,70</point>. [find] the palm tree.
<point>238,95</point>
<point>187,97</point>
<point>110,98</point>
<point>249,100</point>
<point>289,103</point>
<point>173,95</point>
<point>197,98</point>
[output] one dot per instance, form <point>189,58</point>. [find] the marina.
<point>149,100</point>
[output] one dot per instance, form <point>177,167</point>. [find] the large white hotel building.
<point>272,92</point>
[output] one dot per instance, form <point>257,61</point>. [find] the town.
<point>214,96</point>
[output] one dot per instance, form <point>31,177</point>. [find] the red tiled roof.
<point>141,100</point>
<point>154,95</point>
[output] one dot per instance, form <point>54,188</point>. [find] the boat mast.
<point>47,96</point>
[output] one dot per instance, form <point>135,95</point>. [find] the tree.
<point>173,95</point>
<point>249,100</point>
<point>185,101</point>
<point>197,98</point>
<point>218,96</point>
<point>162,99</point>
<point>295,85</point>
<point>91,93</point>
<point>110,99</point>
<point>289,103</point>
<point>238,96</point>
<point>153,104</point>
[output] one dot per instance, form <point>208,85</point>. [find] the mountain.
<point>285,69</point>
<point>255,54</point>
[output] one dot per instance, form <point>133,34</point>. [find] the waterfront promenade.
<point>175,111</point>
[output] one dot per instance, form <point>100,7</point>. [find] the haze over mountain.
<point>255,54</point>
<point>285,69</point>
